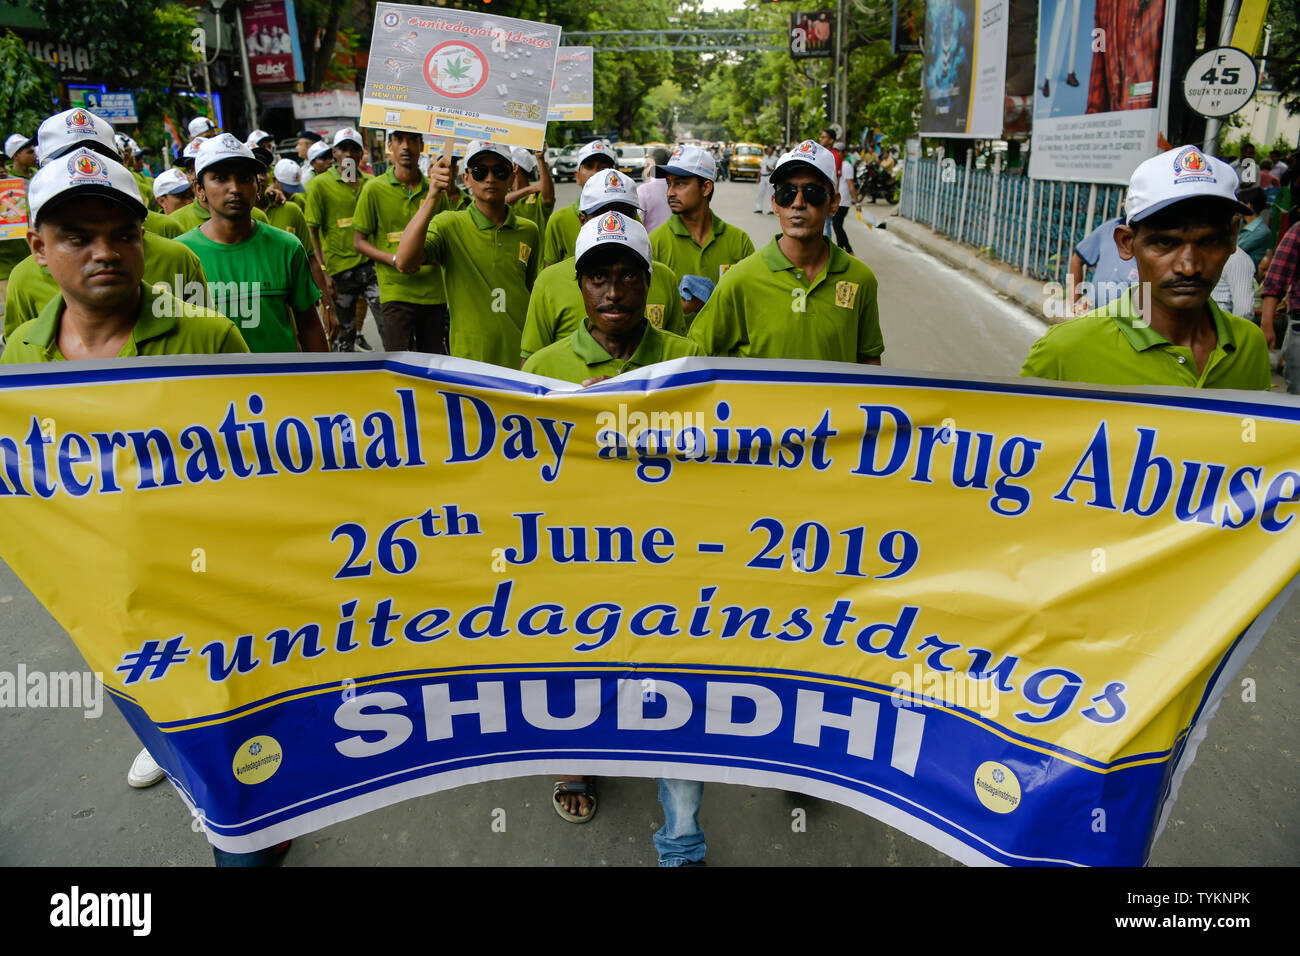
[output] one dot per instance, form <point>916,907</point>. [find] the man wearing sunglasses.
<point>414,306</point>
<point>350,280</point>
<point>694,241</point>
<point>562,228</point>
<point>488,256</point>
<point>555,309</point>
<point>800,297</point>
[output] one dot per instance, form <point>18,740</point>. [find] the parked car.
<point>631,161</point>
<point>564,168</point>
<point>746,159</point>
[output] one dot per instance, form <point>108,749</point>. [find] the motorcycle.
<point>874,181</point>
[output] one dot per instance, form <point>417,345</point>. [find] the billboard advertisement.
<point>964,71</point>
<point>812,35</point>
<point>271,36</point>
<point>1098,88</point>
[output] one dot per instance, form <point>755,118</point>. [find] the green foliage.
<point>28,88</point>
<point>1284,52</point>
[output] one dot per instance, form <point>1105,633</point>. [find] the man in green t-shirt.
<point>1180,227</point>
<point>350,280</point>
<point>257,274</point>
<point>414,305</point>
<point>800,297</point>
<point>562,227</point>
<point>555,309</point>
<point>172,190</point>
<point>488,256</point>
<point>694,241</point>
<point>21,150</point>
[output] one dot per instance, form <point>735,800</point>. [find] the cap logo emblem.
<point>612,180</point>
<point>611,223</point>
<point>85,166</point>
<point>79,119</point>
<point>1191,166</point>
<point>807,146</point>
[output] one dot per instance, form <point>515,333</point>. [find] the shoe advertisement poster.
<point>964,71</point>
<point>572,91</point>
<point>1099,88</point>
<point>459,73</point>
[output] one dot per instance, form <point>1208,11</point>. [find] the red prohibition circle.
<point>438,89</point>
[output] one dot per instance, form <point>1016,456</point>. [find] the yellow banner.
<point>1250,25</point>
<point>964,607</point>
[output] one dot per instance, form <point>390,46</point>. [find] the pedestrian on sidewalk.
<point>848,194</point>
<point>763,201</point>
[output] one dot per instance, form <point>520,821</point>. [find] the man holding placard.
<point>488,256</point>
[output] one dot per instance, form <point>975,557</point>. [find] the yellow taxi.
<point>746,158</point>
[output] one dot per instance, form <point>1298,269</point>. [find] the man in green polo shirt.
<point>31,286</point>
<point>414,305</point>
<point>562,227</point>
<point>488,256</point>
<point>87,230</point>
<point>532,200</point>
<point>1181,228</point>
<point>800,297</point>
<point>350,280</point>
<point>614,267</point>
<point>258,274</point>
<point>694,241</point>
<point>556,310</point>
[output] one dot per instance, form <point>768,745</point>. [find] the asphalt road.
<point>64,798</point>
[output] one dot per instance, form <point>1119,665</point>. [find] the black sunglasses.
<point>500,170</point>
<point>813,193</point>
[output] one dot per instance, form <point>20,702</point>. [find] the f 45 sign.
<point>1219,82</point>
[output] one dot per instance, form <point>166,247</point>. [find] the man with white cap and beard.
<point>555,309</point>
<point>488,255</point>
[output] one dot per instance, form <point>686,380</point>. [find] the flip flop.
<point>574,788</point>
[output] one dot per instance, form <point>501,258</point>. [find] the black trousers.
<point>414,327</point>
<point>841,238</point>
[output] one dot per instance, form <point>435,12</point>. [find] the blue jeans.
<point>680,840</point>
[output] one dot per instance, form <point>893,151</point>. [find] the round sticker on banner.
<point>257,760</point>
<point>1219,82</point>
<point>997,787</point>
<point>391,20</point>
<point>455,69</point>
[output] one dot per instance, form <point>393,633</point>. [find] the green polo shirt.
<point>145,183</point>
<point>300,200</point>
<point>556,307</point>
<point>161,225</point>
<point>383,211</point>
<point>1105,347</point>
<point>766,308</point>
<point>489,270</point>
<point>163,326</point>
<point>290,218</point>
<point>561,235</point>
<point>579,357</point>
<point>31,286</point>
<point>260,282</point>
<point>192,216</point>
<point>533,209</point>
<point>672,243</point>
<point>331,204</point>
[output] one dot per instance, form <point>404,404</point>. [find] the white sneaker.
<point>144,771</point>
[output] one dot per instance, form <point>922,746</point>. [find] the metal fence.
<point>1032,225</point>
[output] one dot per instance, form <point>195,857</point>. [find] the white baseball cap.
<point>289,173</point>
<point>690,161</point>
<point>597,147</point>
<point>218,149</point>
<point>317,150</point>
<point>170,182</point>
<point>606,188</point>
<point>612,228</point>
<point>87,173</point>
<point>200,125</point>
<point>191,150</point>
<point>524,159</point>
<point>1181,173</point>
<point>64,132</point>
<point>15,143</point>
<point>348,135</point>
<point>256,137</point>
<point>125,144</point>
<point>809,154</point>
<point>476,146</point>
